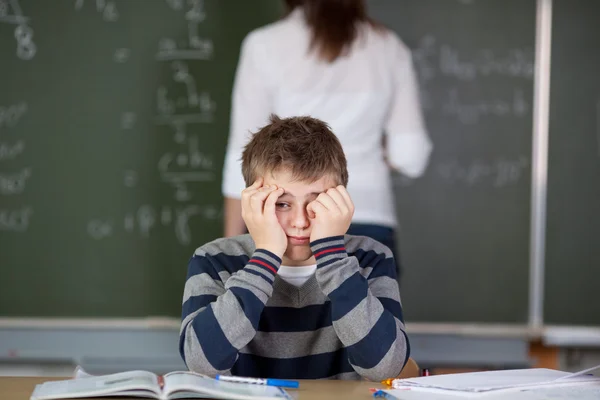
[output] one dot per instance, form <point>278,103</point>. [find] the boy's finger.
<point>248,192</point>
<point>344,192</point>
<point>257,183</point>
<point>310,211</point>
<point>271,200</point>
<point>258,199</point>
<point>339,200</point>
<point>316,207</point>
<point>327,202</point>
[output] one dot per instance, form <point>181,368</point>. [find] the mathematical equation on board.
<point>14,176</point>
<point>195,47</point>
<point>146,219</point>
<point>499,173</point>
<point>436,61</point>
<point>180,103</point>
<point>11,13</point>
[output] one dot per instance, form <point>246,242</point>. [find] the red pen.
<point>425,372</point>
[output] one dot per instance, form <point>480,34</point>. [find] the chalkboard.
<point>464,239</point>
<point>573,206</point>
<point>113,124</point>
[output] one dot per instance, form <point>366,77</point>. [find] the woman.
<point>329,60</point>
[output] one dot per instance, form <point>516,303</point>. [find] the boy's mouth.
<point>299,239</point>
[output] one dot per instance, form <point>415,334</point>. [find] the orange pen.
<point>387,382</point>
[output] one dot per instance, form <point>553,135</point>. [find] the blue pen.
<point>259,381</point>
<point>384,395</point>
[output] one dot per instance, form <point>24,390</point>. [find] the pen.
<point>259,381</point>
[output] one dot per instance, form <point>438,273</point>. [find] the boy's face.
<point>292,215</point>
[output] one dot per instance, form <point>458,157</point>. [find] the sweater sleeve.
<point>366,312</point>
<point>250,110</point>
<point>408,144</point>
<point>219,318</point>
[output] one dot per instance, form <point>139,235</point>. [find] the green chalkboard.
<point>573,207</point>
<point>113,124</point>
<point>464,226</point>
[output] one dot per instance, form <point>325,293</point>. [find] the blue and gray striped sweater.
<point>345,322</point>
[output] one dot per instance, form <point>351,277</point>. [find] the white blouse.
<point>362,95</point>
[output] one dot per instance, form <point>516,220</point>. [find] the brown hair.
<point>334,24</point>
<point>305,146</point>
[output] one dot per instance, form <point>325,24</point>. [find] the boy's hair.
<point>304,146</point>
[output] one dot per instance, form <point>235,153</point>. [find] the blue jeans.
<point>382,234</point>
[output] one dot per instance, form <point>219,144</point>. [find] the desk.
<point>12,388</point>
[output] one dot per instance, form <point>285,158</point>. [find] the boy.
<point>294,298</point>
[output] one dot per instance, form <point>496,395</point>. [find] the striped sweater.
<point>345,322</point>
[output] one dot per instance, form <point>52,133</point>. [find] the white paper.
<point>579,392</point>
<point>585,391</point>
<point>491,380</point>
<point>582,372</point>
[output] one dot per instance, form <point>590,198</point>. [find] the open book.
<point>175,385</point>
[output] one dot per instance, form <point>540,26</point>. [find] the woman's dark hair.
<point>334,24</point>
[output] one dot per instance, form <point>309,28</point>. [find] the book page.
<point>142,382</point>
<point>179,384</point>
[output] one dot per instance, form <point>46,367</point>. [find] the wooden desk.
<point>13,388</point>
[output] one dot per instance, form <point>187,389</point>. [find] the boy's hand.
<point>330,213</point>
<point>258,211</point>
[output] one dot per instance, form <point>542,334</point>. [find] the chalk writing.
<point>200,102</point>
<point>167,50</point>
<point>23,33</point>
<point>130,178</point>
<point>107,8</point>
<point>15,220</point>
<point>516,63</point>
<point>176,4</point>
<point>192,158</point>
<point>197,47</point>
<point>99,229</point>
<point>10,115</point>
<point>128,120</point>
<point>14,183</point>
<point>147,218</point>
<point>199,118</point>
<point>121,55</point>
<point>499,173</point>
<point>10,152</point>
<point>432,58</point>
<point>435,60</point>
<point>470,113</point>
<point>188,165</point>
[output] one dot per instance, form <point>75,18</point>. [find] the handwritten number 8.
<point>25,47</point>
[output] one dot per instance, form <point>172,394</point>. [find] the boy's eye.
<point>282,205</point>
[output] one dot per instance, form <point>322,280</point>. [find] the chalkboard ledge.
<point>91,323</point>
<point>572,336</point>
<point>520,331</point>
<point>426,328</point>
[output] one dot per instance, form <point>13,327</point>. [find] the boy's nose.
<point>300,219</point>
